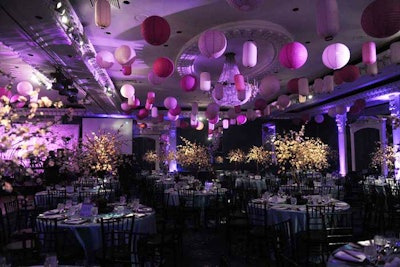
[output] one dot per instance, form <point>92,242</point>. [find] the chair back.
<point>55,197</point>
<point>284,243</point>
<point>48,234</point>
<point>315,216</point>
<point>187,198</point>
<point>339,228</point>
<point>17,217</point>
<point>257,215</point>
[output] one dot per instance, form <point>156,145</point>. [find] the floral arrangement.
<point>259,155</point>
<point>192,155</point>
<point>150,156</point>
<point>219,159</point>
<point>295,152</point>
<point>386,155</point>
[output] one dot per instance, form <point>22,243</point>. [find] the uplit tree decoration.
<point>237,156</point>
<point>296,153</point>
<point>260,156</point>
<point>192,155</point>
<point>387,156</point>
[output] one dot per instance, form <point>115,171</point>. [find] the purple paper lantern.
<point>293,55</point>
<point>212,43</point>
<point>170,102</point>
<point>319,118</point>
<point>241,119</point>
<point>283,101</point>
<point>269,86</point>
<point>336,56</point>
<point>327,19</point>
<point>188,83</point>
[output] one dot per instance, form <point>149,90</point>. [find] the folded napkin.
<point>350,255</point>
<point>75,221</point>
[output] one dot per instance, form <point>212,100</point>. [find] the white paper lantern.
<point>127,90</point>
<point>205,81</point>
<point>102,13</point>
<point>249,56</point>
<point>336,56</point>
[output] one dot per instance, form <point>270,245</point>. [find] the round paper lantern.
<point>172,117</point>
<point>212,43</point>
<point>24,88</point>
<point>368,53</point>
<point>327,19</point>
<point>337,78</point>
<point>293,86</point>
<point>350,73</point>
<point>319,118</point>
<point>170,102</point>
<point>205,81</point>
<point>336,56</point>
<point>245,5</point>
<point>395,53</point>
<point>155,30</point>
<point>175,111</point>
<point>318,86</point>
<point>241,119</point>
<point>102,13</point>
<point>105,59</point>
<point>127,90</point>
<point>381,18</point>
<point>163,67</point>
<point>5,92</point>
<point>136,103</point>
<point>151,96</point>
<point>125,106</point>
<point>154,79</point>
<point>200,126</point>
<point>269,86</point>
<point>188,83</point>
<point>341,110</point>
<point>212,110</point>
<point>239,82</point>
<point>249,56</point>
<point>304,89</point>
<point>332,112</point>
<point>218,91</point>
<point>283,101</point>
<point>231,113</point>
<point>260,104</point>
<point>142,114</point>
<point>125,56</point>
<point>214,120</point>
<point>293,55</point>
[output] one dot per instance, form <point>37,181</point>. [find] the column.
<point>383,140</point>
<point>353,149</point>
<point>172,146</point>
<point>394,108</point>
<point>268,138</point>
<point>341,125</point>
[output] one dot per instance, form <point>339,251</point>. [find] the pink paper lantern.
<point>24,88</point>
<point>136,103</point>
<point>245,5</point>
<point>105,59</point>
<point>350,73</point>
<point>260,104</point>
<point>381,18</point>
<point>125,106</point>
<point>336,56</point>
<point>293,55</point>
<point>205,81</point>
<point>283,101</point>
<point>163,67</point>
<point>249,56</point>
<point>293,86</point>
<point>170,102</point>
<point>155,30</point>
<point>188,83</point>
<point>368,53</point>
<point>142,114</point>
<point>154,79</point>
<point>327,19</point>
<point>172,117</point>
<point>269,86</point>
<point>319,118</point>
<point>239,82</point>
<point>241,119</point>
<point>102,13</point>
<point>175,111</point>
<point>212,43</point>
<point>151,97</point>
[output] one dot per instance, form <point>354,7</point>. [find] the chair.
<point>19,220</point>
<point>325,190</point>
<point>55,197</point>
<point>216,209</point>
<point>284,244</point>
<point>87,195</point>
<point>117,240</point>
<point>189,207</point>
<point>339,229</point>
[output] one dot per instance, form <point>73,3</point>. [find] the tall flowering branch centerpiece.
<point>259,155</point>
<point>193,156</point>
<point>387,156</point>
<point>237,156</point>
<point>150,157</point>
<point>296,153</point>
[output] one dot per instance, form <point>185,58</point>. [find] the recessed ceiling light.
<point>31,55</point>
<point>178,32</point>
<point>126,2</point>
<point>295,9</point>
<point>108,32</point>
<point>39,17</point>
<point>165,45</point>
<point>307,42</point>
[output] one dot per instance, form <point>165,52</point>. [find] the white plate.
<point>75,221</point>
<point>350,255</point>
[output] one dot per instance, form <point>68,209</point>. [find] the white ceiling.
<point>32,41</point>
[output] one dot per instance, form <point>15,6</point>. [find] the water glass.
<point>94,212</point>
<point>293,201</point>
<point>51,261</point>
<point>135,204</point>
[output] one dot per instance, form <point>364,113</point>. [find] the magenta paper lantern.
<point>260,104</point>
<point>188,83</point>
<point>24,88</point>
<point>245,5</point>
<point>327,19</point>
<point>125,106</point>
<point>105,59</point>
<point>102,13</point>
<point>293,55</point>
<point>283,101</point>
<point>218,91</point>
<point>212,43</point>
<point>341,110</point>
<point>154,79</point>
<point>381,19</point>
<point>127,90</point>
<point>241,119</point>
<point>5,92</point>
<point>225,124</point>
<point>293,86</point>
<point>332,112</point>
<point>172,117</point>
<point>337,77</point>
<point>125,56</point>
<point>350,73</point>
<point>304,88</point>
<point>205,81</point>
<point>175,111</point>
<point>163,67</point>
<point>170,102</point>
<point>155,30</point>
<point>269,86</point>
<point>214,120</point>
<point>336,56</point>
<point>151,96</point>
<point>249,55</point>
<point>318,86</point>
<point>368,53</point>
<point>148,105</point>
<point>239,82</point>
<point>136,103</point>
<point>319,118</point>
<point>15,98</point>
<point>142,114</point>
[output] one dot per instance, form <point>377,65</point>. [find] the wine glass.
<point>135,204</point>
<point>94,212</point>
